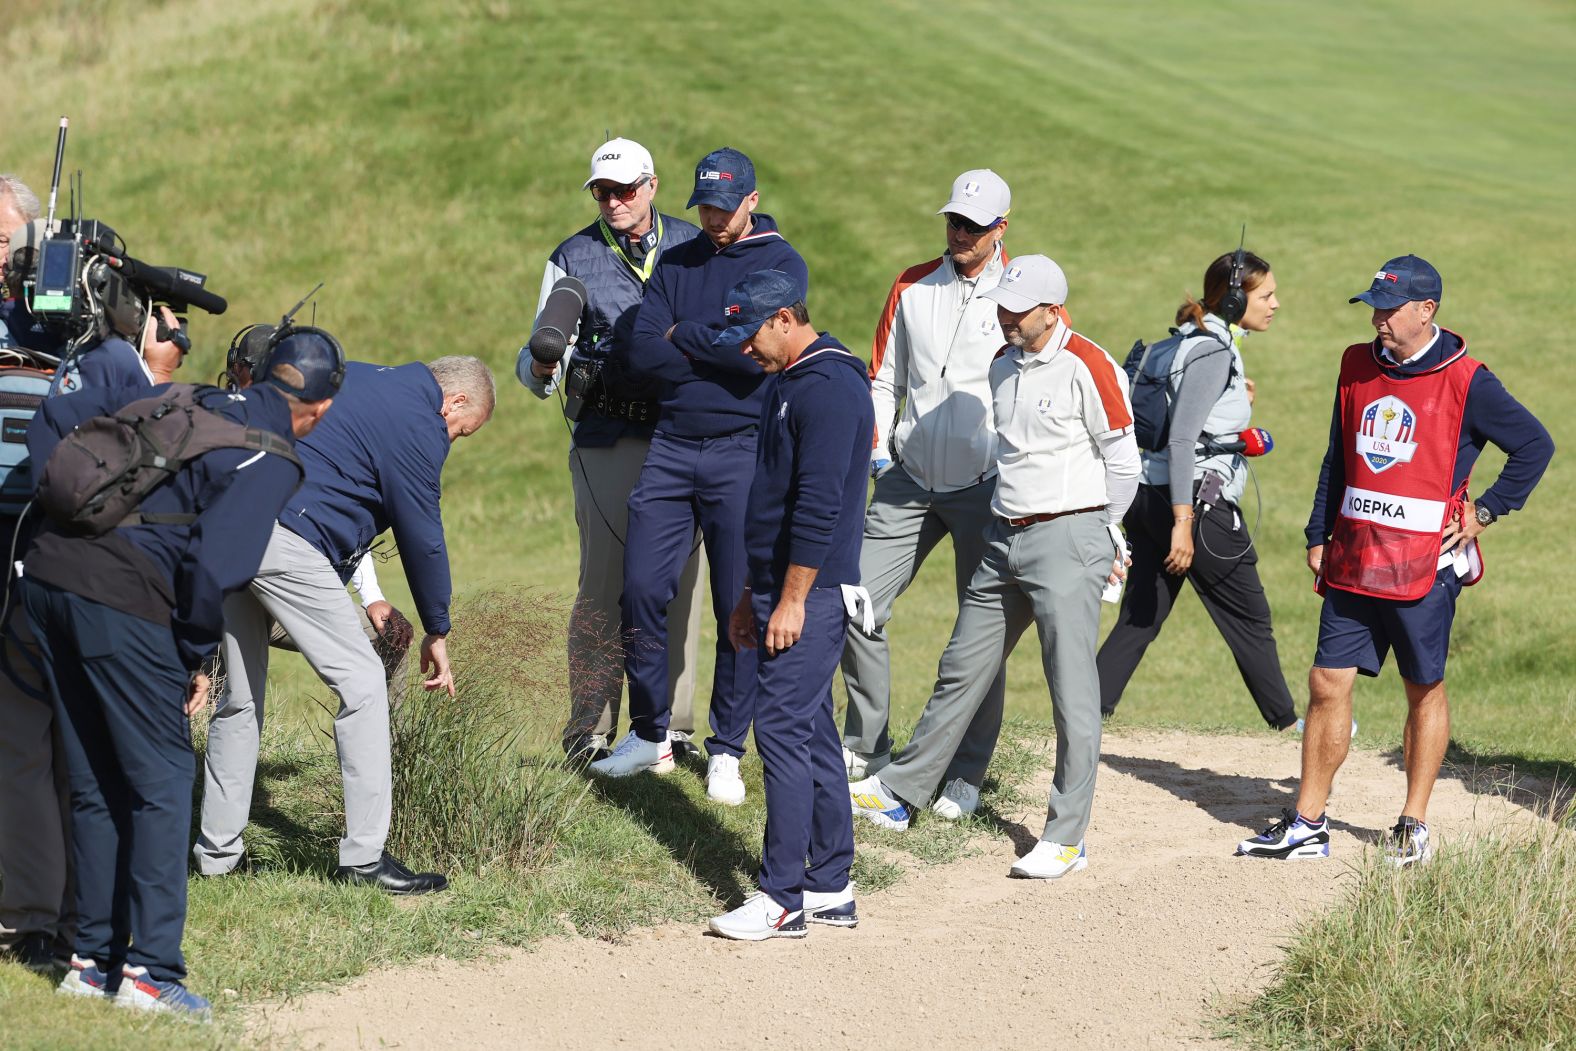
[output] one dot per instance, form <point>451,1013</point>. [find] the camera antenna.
<point>54,183</point>
<point>285,321</point>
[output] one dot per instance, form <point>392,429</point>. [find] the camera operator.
<point>613,258</point>
<point>376,464</point>
<point>127,621</point>
<point>36,913</point>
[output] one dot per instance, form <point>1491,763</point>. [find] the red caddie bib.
<point>1400,437</point>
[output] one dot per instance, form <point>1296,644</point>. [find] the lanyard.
<point>644,271</point>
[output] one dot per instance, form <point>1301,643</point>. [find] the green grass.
<point>424,158</point>
<point>1476,949</point>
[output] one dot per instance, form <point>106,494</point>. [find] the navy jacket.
<point>234,493</point>
<point>613,294</point>
<point>812,458</point>
<point>112,363</point>
<point>710,392</point>
<point>27,331</point>
<point>376,462</point>
<point>1492,415</point>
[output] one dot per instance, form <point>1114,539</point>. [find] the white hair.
<point>16,191</point>
<point>462,374</point>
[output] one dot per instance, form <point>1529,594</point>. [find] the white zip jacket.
<point>932,353</point>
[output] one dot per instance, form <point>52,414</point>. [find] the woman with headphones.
<point>1186,522</point>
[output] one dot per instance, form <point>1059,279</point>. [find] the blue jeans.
<point>685,483</point>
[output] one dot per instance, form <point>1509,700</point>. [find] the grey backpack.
<point>98,475</point>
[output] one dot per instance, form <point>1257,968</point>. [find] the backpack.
<point>22,391</point>
<point>100,473</point>
<point>1148,371</point>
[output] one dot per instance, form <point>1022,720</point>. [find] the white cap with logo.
<point>620,160</point>
<point>981,196</point>
<point>1029,281</point>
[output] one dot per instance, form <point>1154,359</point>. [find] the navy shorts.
<point>1357,631</point>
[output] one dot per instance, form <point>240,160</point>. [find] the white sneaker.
<point>723,782</point>
<point>1051,861</point>
<point>870,800</point>
<point>759,918</point>
<point>833,908</point>
<point>858,766</point>
<point>634,755</point>
<point>957,800</point>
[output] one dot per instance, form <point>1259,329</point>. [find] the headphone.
<point>287,330</point>
<point>243,351</point>
<point>1234,303</point>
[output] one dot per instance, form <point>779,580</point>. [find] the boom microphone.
<point>560,316</point>
<point>1255,441</point>
<point>182,286</point>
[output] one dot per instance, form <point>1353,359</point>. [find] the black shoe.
<point>684,747</point>
<point>388,874</point>
<point>584,749</point>
<point>35,952</point>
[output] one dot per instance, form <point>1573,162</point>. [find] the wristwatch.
<point>1485,517</point>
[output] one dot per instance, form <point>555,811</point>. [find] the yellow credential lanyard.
<point>644,271</point>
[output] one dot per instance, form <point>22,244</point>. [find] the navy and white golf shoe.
<point>1292,838</point>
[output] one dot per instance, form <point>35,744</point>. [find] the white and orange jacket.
<point>932,353</point>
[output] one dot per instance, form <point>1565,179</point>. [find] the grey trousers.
<point>398,678</point>
<point>902,525</point>
<point>35,807</point>
<point>297,587</point>
<point>1049,574</point>
<point>603,478</point>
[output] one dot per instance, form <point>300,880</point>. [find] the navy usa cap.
<point>750,303</point>
<point>315,354</point>
<point>1404,279</point>
<point>723,178</point>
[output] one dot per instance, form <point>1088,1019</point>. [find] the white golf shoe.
<point>723,782</point>
<point>1051,861</point>
<point>635,755</point>
<point>959,799</point>
<point>758,919</point>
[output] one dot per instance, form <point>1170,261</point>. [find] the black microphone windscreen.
<point>556,324</point>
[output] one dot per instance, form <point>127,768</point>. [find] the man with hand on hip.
<point>1067,469</point>
<point>1393,538</point>
<point>934,465</point>
<point>803,526</point>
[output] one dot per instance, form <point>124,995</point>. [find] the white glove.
<point>856,600</point>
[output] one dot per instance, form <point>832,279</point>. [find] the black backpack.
<point>1150,388</point>
<point>100,473</point>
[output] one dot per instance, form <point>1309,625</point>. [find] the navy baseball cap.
<point>723,178</point>
<point>316,354</point>
<point>752,301</point>
<point>1404,279</point>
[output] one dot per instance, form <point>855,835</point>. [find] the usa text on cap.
<point>749,304</point>
<point>980,196</point>
<point>1404,279</point>
<point>723,178</point>
<point>621,161</point>
<point>1027,282</point>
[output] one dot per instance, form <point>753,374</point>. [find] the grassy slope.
<point>425,162</point>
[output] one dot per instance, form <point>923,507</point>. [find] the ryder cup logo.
<point>1386,432</point>
<point>971,189</point>
<point>1010,275</point>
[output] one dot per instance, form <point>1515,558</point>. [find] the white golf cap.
<point>980,196</point>
<point>1029,281</point>
<point>620,160</point>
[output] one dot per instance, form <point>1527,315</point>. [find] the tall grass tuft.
<point>478,784</point>
<point>1476,949</point>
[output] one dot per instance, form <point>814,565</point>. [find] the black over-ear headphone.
<point>1234,303</point>
<point>288,329</point>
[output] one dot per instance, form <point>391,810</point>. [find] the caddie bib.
<point>1400,436</point>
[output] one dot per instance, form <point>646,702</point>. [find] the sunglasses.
<point>957,222</point>
<point>617,193</point>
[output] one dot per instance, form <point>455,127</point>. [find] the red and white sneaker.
<point>758,919</point>
<point>635,755</point>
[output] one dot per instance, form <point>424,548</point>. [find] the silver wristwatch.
<point>1485,517</point>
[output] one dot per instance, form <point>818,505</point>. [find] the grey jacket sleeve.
<point>1203,381</point>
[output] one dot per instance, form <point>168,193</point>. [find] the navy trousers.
<point>807,812</point>
<point>119,692</point>
<point>685,483</point>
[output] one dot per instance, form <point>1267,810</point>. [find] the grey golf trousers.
<point>297,587</point>
<point>903,525</point>
<point>603,478</point>
<point>1049,574</point>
